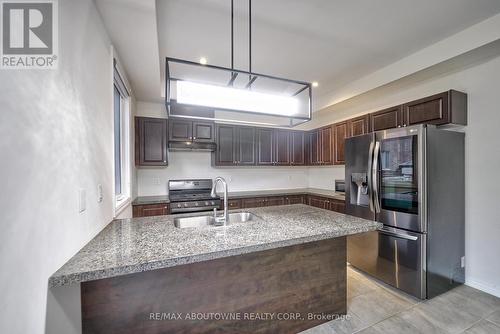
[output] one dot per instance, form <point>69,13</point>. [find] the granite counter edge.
<point>74,278</point>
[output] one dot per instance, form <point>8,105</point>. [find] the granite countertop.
<point>141,244</point>
<point>145,200</point>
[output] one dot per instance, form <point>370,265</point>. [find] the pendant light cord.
<point>250,39</point>
<point>232,34</point>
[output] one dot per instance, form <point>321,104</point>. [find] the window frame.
<point>122,199</point>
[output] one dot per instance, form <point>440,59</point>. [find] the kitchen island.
<point>142,274</point>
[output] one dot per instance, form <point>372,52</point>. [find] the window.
<point>121,125</point>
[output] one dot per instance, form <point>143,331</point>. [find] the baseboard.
<point>476,284</point>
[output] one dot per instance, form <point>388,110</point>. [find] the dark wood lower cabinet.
<point>250,202</point>
<point>253,202</point>
<point>295,199</point>
<point>326,203</point>
<point>232,204</point>
<point>150,210</point>
<point>302,279</point>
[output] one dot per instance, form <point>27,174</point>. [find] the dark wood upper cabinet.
<point>195,131</point>
<point>326,145</point>
<point>297,150</point>
<point>443,108</point>
<point>203,132</point>
<point>239,145</point>
<point>245,146</point>
<point>282,147</point>
<point>341,131</point>
<point>314,147</point>
<point>386,119</point>
<point>235,145</point>
<point>150,141</point>
<point>265,146</point>
<point>180,130</point>
<point>225,154</point>
<point>358,126</point>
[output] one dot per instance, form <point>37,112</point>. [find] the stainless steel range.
<point>191,196</point>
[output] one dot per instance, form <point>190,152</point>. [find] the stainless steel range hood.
<point>191,146</point>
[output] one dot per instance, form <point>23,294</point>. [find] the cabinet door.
<point>232,204</point>
<point>226,145</point>
<point>275,200</point>
<point>245,146</point>
<point>338,206</point>
<point>317,202</point>
<point>203,132</point>
<point>294,199</point>
<point>297,154</point>
<point>150,141</point>
<point>386,119</point>
<point>282,147</point>
<point>265,147</point>
<point>430,110</point>
<point>180,130</point>
<point>150,210</point>
<point>314,154</point>
<point>341,133</point>
<point>358,126</point>
<point>253,202</point>
<point>326,145</point>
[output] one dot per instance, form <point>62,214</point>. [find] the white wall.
<point>182,165</point>
<point>56,137</point>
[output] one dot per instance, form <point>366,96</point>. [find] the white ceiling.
<point>330,41</point>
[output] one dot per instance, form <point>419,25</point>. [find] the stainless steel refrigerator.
<point>411,179</point>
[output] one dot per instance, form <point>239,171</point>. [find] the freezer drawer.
<point>395,256</point>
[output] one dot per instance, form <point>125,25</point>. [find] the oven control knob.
<point>212,202</point>
<point>178,205</point>
<point>196,204</point>
<point>185,205</point>
<point>206,203</point>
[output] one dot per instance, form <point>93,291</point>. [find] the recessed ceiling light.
<point>203,60</point>
<point>315,84</point>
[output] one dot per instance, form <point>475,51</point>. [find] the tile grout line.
<point>388,317</point>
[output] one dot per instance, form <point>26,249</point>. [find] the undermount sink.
<point>201,221</point>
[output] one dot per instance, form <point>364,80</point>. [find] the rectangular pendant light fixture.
<point>228,98</point>
<point>221,94</point>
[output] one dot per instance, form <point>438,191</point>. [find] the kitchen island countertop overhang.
<point>143,244</point>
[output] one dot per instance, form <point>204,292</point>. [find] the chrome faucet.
<point>220,220</point>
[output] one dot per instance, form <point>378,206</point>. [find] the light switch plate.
<point>462,261</point>
<point>82,205</point>
<point>99,193</point>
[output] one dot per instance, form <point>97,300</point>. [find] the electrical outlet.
<point>82,205</point>
<point>462,261</point>
<point>99,193</point>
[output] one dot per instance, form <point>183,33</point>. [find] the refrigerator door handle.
<point>376,153</point>
<point>370,180</point>
<point>398,235</point>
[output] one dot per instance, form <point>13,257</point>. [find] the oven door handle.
<point>370,178</point>
<point>398,235</point>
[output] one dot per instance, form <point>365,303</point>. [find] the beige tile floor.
<point>376,308</point>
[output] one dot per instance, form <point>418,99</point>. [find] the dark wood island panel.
<point>301,279</point>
